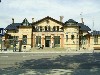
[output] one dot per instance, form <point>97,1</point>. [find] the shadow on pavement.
<point>83,64</point>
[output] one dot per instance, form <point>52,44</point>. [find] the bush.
<point>7,43</point>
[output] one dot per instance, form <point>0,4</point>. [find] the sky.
<point>38,9</point>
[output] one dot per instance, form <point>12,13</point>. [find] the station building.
<point>49,32</point>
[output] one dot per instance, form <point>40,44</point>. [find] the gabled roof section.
<point>46,18</point>
<point>84,27</point>
<point>25,23</point>
<point>95,32</point>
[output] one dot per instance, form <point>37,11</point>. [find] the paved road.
<point>10,59</point>
<point>47,63</point>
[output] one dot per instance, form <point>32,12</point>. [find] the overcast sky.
<point>38,9</point>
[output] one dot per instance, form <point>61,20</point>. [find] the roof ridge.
<point>47,18</point>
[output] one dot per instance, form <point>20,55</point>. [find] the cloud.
<point>20,9</point>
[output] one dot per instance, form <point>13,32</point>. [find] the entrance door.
<point>47,44</point>
<point>47,41</point>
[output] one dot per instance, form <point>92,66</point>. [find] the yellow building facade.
<point>52,33</point>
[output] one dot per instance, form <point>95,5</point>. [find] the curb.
<point>47,52</point>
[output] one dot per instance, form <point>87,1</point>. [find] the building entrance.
<point>47,41</point>
<point>47,44</point>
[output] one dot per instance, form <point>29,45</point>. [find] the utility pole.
<point>92,33</point>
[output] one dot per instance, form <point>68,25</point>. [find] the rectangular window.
<point>24,40</point>
<point>95,39</point>
<point>72,37</point>
<point>84,40</point>
<point>38,40</point>
<point>66,38</point>
<point>12,39</point>
<point>57,41</point>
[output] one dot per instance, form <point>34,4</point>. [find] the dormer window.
<point>71,22</point>
<point>25,22</point>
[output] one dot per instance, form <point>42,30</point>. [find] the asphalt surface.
<point>9,59</point>
<point>49,63</point>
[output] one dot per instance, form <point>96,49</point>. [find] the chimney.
<point>12,20</point>
<point>61,18</point>
<point>82,17</point>
<point>82,20</point>
<point>32,20</point>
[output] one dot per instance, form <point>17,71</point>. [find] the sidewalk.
<point>50,50</point>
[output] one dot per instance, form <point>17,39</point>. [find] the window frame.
<point>72,37</point>
<point>66,38</point>
<point>24,40</point>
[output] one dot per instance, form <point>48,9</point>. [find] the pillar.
<point>62,40</point>
<point>43,39</point>
<point>52,40</point>
<point>33,40</point>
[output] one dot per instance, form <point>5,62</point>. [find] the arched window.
<point>54,28</point>
<point>37,28</point>
<point>45,28</point>
<point>57,28</point>
<point>49,28</point>
<point>40,28</point>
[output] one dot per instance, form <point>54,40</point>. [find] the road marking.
<point>4,56</point>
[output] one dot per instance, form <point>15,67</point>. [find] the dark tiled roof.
<point>84,27</point>
<point>1,28</point>
<point>15,25</point>
<point>71,21</point>
<point>95,33</point>
<point>12,26</point>
<point>61,23</point>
